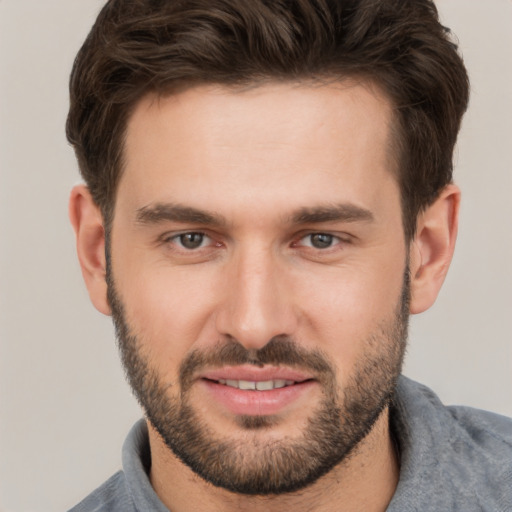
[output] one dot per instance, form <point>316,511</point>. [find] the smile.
<point>265,385</point>
<point>256,395</point>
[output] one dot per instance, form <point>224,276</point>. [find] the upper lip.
<point>255,374</point>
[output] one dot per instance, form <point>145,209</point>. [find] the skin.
<point>255,158</point>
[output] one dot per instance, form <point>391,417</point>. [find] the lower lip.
<point>256,403</point>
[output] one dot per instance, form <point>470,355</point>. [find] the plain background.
<point>64,406</point>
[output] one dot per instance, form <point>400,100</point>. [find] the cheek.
<point>170,311</point>
<point>349,307</point>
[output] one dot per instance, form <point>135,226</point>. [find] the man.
<point>268,196</point>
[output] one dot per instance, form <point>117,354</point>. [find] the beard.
<point>258,464</point>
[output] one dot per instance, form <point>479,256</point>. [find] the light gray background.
<point>64,406</point>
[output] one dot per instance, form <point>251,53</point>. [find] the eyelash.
<point>178,240</point>
<point>333,240</point>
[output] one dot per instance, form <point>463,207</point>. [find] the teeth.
<point>265,385</point>
<point>245,384</point>
<point>279,384</point>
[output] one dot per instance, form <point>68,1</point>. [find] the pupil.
<point>321,240</point>
<point>191,240</point>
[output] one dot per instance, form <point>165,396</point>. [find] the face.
<point>258,277</point>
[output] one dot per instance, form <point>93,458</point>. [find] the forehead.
<point>297,137</point>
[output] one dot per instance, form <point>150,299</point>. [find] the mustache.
<point>279,351</point>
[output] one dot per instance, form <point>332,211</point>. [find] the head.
<point>268,197</point>
<point>141,47</point>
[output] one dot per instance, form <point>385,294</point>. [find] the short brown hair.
<point>142,46</point>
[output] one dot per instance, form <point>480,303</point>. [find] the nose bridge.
<point>257,306</point>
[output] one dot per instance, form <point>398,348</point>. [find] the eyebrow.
<point>161,212</point>
<point>345,212</point>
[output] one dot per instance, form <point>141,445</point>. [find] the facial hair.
<point>253,465</point>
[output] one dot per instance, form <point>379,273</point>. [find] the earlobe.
<point>432,249</point>
<point>87,222</point>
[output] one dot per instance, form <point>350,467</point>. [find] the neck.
<point>365,481</point>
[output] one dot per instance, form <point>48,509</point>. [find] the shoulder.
<point>111,496</point>
<point>475,427</point>
<point>484,427</point>
<point>128,490</point>
<point>453,458</point>
<point>483,440</point>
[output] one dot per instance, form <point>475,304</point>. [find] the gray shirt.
<point>451,459</point>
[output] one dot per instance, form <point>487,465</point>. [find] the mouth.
<point>256,391</point>
<point>251,385</point>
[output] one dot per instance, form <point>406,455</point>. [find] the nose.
<point>257,303</point>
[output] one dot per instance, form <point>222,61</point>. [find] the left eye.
<point>319,240</point>
<point>192,240</point>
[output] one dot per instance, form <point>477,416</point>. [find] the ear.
<point>87,222</point>
<point>432,248</point>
